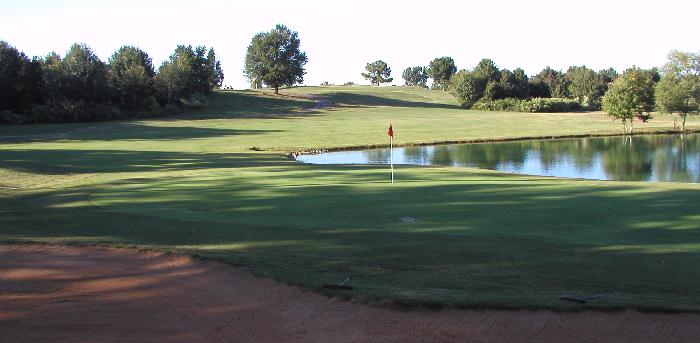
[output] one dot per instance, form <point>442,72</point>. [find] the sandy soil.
<point>52,293</point>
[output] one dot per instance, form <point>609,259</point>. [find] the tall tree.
<point>678,91</point>
<point>378,72</point>
<point>415,76</point>
<point>51,69</point>
<point>131,77</point>
<point>275,59</point>
<point>441,70</point>
<point>630,96</point>
<point>215,73</point>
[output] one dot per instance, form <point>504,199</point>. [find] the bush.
<point>508,104</point>
<point>550,105</point>
<point>9,117</point>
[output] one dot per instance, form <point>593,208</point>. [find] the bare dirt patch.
<point>53,293</point>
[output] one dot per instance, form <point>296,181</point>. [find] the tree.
<point>679,87</point>
<point>21,79</point>
<point>550,83</point>
<point>584,85</point>
<point>214,72</point>
<point>630,96</point>
<point>415,76</point>
<point>521,84</point>
<point>179,77</point>
<point>467,88</point>
<point>83,76</point>
<point>378,72</point>
<point>506,85</point>
<point>441,71</point>
<point>275,59</point>
<point>131,77</point>
<point>51,69</point>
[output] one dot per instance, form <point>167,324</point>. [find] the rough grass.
<point>215,183</point>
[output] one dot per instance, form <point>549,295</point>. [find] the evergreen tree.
<point>378,72</point>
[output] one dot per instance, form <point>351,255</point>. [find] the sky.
<point>341,37</point>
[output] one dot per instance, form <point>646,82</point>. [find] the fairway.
<point>216,183</point>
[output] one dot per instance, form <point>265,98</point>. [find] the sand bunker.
<point>53,293</point>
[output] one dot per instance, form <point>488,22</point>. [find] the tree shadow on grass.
<point>61,162</point>
<point>358,100</point>
<point>120,131</point>
<point>248,104</point>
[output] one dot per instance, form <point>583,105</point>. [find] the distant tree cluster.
<point>486,82</point>
<point>81,87</point>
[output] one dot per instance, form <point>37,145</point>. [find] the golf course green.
<point>216,183</point>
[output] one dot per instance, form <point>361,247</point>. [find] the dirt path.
<point>69,294</point>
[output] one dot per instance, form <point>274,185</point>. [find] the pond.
<point>632,158</point>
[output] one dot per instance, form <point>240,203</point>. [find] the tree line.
<point>632,95</point>
<point>80,87</point>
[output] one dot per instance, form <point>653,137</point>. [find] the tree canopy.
<point>80,87</point>
<point>678,91</point>
<point>585,85</point>
<point>274,58</point>
<point>415,76</point>
<point>131,75</point>
<point>20,79</point>
<point>378,72</point>
<point>441,71</point>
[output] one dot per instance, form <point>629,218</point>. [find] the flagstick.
<point>391,157</point>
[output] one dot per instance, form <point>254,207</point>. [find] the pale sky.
<point>340,38</point>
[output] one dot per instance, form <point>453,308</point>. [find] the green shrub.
<point>550,105</point>
<point>508,104</point>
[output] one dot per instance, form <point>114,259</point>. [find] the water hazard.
<point>638,158</point>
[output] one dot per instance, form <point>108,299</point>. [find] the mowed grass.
<point>215,183</point>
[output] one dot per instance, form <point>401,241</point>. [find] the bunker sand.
<point>68,294</point>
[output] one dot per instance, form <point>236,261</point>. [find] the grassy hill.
<point>215,182</point>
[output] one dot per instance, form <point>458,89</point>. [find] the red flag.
<point>391,132</point>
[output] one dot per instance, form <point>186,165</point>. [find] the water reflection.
<point>638,158</point>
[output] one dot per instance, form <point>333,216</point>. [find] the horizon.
<point>530,36</point>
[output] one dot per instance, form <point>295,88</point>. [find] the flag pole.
<point>391,156</point>
<point>391,151</point>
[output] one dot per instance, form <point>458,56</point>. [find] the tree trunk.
<point>684,115</point>
<point>631,126</point>
<point>277,88</point>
